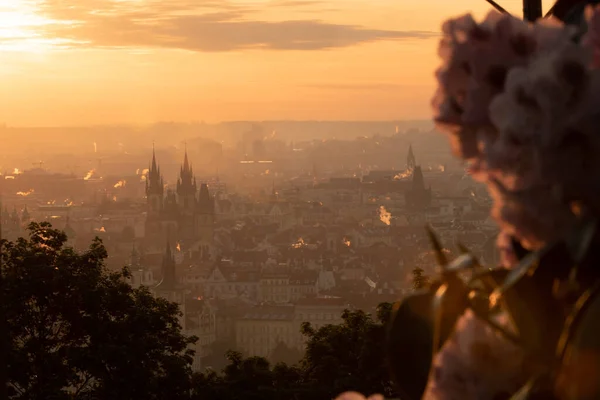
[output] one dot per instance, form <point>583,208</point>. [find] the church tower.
<point>411,161</point>
<point>154,188</point>
<point>154,200</point>
<point>169,288</point>
<point>25,217</point>
<point>205,221</point>
<point>15,221</point>
<point>169,280</point>
<point>418,198</point>
<point>186,199</point>
<point>135,258</point>
<point>186,187</point>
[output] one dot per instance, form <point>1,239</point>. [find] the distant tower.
<point>418,181</point>
<point>70,232</point>
<point>25,216</point>
<point>168,288</point>
<point>411,162</point>
<point>418,198</point>
<point>135,261</point>
<point>186,187</point>
<point>6,216</point>
<point>186,199</point>
<point>15,220</point>
<point>205,221</point>
<point>169,280</point>
<point>154,188</point>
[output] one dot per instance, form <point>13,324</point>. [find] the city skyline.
<point>133,61</point>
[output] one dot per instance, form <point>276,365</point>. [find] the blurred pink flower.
<point>592,37</point>
<point>529,115</point>
<point>508,258</point>
<point>358,396</point>
<point>475,363</point>
<point>476,59</point>
<point>518,102</point>
<point>534,216</point>
<point>545,152</point>
<point>521,104</point>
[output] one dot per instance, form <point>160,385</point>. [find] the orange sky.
<point>71,62</point>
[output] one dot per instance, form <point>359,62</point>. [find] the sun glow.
<point>20,27</point>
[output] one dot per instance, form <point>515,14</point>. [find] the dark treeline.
<point>338,358</point>
<point>76,330</point>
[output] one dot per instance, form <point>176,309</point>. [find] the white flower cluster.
<point>521,104</point>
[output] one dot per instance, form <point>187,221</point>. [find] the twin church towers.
<point>185,216</point>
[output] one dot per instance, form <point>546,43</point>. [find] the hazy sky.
<point>70,62</point>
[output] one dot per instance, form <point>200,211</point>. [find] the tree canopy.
<point>338,358</point>
<point>79,331</point>
<point>215,357</point>
<point>76,330</point>
<point>349,356</point>
<point>282,353</point>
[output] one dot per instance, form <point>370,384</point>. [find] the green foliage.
<point>216,359</point>
<point>284,354</point>
<point>384,312</point>
<point>338,358</point>
<point>248,378</point>
<point>78,331</point>
<point>349,356</point>
<point>420,280</point>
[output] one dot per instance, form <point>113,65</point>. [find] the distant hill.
<point>167,133</point>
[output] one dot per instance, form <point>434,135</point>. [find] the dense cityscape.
<point>301,232</point>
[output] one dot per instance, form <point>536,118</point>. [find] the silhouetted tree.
<point>247,378</point>
<point>209,385</point>
<point>349,356</point>
<point>79,331</point>
<point>384,312</point>
<point>420,280</point>
<point>217,359</point>
<point>250,378</point>
<point>341,357</point>
<point>287,379</point>
<point>284,354</point>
